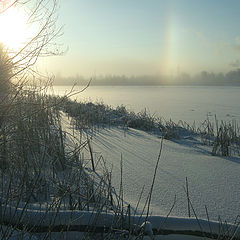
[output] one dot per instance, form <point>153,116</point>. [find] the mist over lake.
<point>185,103</point>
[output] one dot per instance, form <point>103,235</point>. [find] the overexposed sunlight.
<point>14,30</point>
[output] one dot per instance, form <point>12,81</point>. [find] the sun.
<point>15,32</point>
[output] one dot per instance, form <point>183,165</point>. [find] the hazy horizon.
<point>147,38</point>
<point>231,78</point>
<point>169,38</point>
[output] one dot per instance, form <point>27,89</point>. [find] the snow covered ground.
<point>213,180</point>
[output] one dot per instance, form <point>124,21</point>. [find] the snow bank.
<point>40,221</point>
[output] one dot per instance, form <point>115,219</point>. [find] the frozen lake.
<point>176,102</point>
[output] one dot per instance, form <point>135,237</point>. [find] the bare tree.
<point>42,16</point>
<point>17,67</point>
<point>6,4</point>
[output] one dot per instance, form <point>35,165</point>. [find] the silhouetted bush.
<point>5,70</point>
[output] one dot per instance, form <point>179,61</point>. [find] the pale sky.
<point>135,37</point>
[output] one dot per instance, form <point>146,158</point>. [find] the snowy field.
<point>213,181</point>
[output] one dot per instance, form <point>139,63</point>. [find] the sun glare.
<point>14,30</point>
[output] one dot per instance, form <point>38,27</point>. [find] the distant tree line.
<point>204,78</point>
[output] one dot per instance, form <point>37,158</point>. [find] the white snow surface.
<point>187,103</point>
<point>34,217</point>
<point>213,180</point>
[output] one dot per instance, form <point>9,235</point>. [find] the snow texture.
<point>52,218</point>
<point>213,180</point>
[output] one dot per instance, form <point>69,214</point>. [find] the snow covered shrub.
<point>28,145</point>
<point>121,110</point>
<point>142,120</point>
<point>136,123</point>
<point>39,161</point>
<point>227,137</point>
<point>3,150</point>
<point>206,131</point>
<point>170,130</point>
<point>221,143</point>
<point>87,114</point>
<point>190,129</point>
